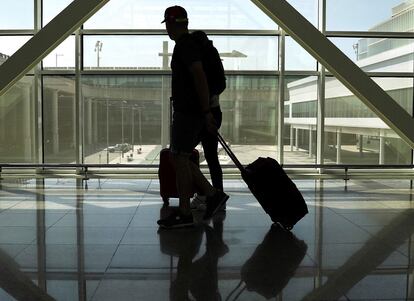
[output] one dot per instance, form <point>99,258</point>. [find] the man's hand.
<point>211,124</point>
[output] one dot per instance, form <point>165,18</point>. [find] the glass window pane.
<point>123,118</point>
<point>379,54</point>
<point>400,89</point>
<point>250,110</point>
<point>214,14</point>
<point>51,8</point>
<point>18,123</point>
<point>16,14</point>
<point>297,58</point>
<point>62,57</point>
<point>248,53</point>
<point>125,111</point>
<point>59,117</point>
<point>125,52</point>
<point>369,15</point>
<point>146,52</point>
<point>355,135</point>
<point>10,44</point>
<point>300,120</point>
<point>308,9</point>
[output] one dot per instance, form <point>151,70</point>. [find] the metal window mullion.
<point>19,32</point>
<point>383,74</point>
<point>163,32</point>
<point>412,115</point>
<point>370,34</point>
<point>320,124</point>
<point>78,100</point>
<point>37,91</point>
<point>281,115</point>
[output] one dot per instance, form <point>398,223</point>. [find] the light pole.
<point>140,126</point>
<point>132,127</point>
<point>356,49</point>
<point>98,49</point>
<point>122,126</point>
<point>107,132</point>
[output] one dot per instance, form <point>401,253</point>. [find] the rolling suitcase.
<point>166,170</point>
<point>166,174</point>
<point>275,191</point>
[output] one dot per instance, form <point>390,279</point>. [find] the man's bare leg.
<point>202,184</point>
<point>184,181</point>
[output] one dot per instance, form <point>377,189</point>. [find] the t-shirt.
<point>184,95</point>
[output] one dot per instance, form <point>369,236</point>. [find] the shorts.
<point>186,132</point>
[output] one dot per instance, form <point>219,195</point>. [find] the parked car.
<point>119,147</point>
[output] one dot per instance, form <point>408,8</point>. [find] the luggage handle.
<point>231,154</point>
<point>235,290</point>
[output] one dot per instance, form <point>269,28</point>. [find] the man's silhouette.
<point>192,115</point>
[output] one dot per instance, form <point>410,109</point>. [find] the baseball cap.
<point>175,14</point>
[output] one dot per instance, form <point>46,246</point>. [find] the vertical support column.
<point>37,92</point>
<point>132,128</point>
<point>237,120</point>
<point>292,138</point>
<point>165,113</point>
<point>107,130</point>
<point>95,108</point>
<point>165,55</point>
<point>74,111</point>
<point>382,149</point>
<point>320,140</point>
<point>165,100</point>
<point>310,141</point>
<point>281,104</point>
<point>54,119</point>
<point>26,122</point>
<point>79,116</point>
<point>338,145</point>
<point>122,124</point>
<point>3,122</point>
<point>140,125</point>
<point>410,272</point>
<point>320,124</point>
<point>296,139</point>
<point>361,145</point>
<point>89,120</point>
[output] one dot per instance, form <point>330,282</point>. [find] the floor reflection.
<point>61,241</point>
<point>272,264</point>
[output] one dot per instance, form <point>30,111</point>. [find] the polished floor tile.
<point>61,240</point>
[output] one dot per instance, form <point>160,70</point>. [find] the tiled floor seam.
<point>116,249</point>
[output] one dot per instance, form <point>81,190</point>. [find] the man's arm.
<point>201,86</point>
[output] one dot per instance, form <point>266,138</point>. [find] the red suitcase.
<point>166,174</point>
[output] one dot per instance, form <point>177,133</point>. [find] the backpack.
<point>212,65</point>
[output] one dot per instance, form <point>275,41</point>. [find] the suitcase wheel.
<point>166,201</point>
<point>285,226</point>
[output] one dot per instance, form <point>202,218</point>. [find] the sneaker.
<point>198,202</point>
<point>176,221</point>
<point>215,203</point>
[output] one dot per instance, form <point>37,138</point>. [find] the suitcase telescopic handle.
<point>231,154</point>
